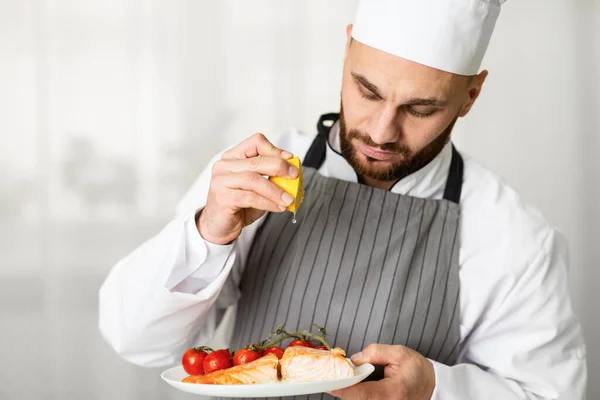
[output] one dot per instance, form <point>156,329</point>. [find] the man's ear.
<point>474,90</point>
<point>348,39</point>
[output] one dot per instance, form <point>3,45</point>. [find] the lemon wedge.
<point>295,187</point>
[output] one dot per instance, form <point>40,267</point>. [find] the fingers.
<point>248,189</point>
<point>360,391</point>
<point>243,199</point>
<point>238,178</point>
<point>256,145</point>
<point>380,354</point>
<point>270,166</point>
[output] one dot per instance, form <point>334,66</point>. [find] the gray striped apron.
<point>370,265</point>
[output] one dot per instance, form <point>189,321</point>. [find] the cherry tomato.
<point>192,361</point>
<point>276,350</point>
<point>217,360</point>
<point>299,342</point>
<point>321,348</point>
<point>244,356</point>
<point>260,352</point>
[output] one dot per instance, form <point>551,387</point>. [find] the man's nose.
<point>384,126</point>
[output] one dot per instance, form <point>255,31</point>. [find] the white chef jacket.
<point>520,338</point>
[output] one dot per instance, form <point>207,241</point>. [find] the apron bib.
<point>369,265</point>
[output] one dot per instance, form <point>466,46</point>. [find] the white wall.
<point>157,87</point>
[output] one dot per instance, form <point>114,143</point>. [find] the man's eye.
<point>420,114</point>
<point>368,96</point>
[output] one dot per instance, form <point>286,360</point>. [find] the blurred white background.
<point>110,108</point>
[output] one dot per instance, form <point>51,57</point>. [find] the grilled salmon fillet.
<point>262,370</point>
<point>305,364</point>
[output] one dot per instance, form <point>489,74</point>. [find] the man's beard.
<point>411,162</point>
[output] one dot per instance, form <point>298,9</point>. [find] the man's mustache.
<point>366,139</point>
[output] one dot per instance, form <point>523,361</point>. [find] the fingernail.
<point>282,208</point>
<point>293,171</point>
<point>287,198</point>
<point>356,357</point>
<point>286,154</point>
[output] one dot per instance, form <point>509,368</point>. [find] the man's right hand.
<point>239,194</point>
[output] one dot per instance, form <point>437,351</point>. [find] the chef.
<point>411,254</point>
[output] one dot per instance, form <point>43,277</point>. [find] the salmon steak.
<point>263,370</point>
<point>305,364</point>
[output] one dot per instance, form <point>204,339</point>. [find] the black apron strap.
<point>315,156</point>
<point>455,177</point>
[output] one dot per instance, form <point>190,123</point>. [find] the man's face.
<point>397,115</point>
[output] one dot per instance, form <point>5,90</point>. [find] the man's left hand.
<point>407,375</point>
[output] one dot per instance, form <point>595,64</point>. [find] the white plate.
<point>173,377</point>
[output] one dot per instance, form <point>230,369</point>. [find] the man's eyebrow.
<point>365,82</point>
<point>431,101</point>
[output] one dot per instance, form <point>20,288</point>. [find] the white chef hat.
<point>450,35</point>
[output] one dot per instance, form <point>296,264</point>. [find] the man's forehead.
<point>383,69</point>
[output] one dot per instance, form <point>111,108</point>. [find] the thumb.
<point>379,354</point>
